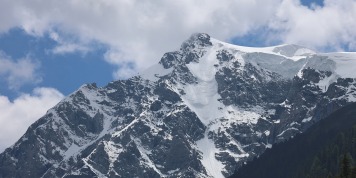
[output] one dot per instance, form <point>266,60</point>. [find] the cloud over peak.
<point>141,31</point>
<point>18,72</point>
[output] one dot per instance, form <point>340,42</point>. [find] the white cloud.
<point>18,72</point>
<point>67,46</point>
<point>16,116</point>
<point>331,26</point>
<point>126,68</point>
<point>143,30</point>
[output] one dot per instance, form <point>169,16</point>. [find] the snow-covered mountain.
<point>203,111</point>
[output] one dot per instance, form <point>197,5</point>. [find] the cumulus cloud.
<point>18,72</point>
<point>328,27</point>
<point>17,115</point>
<point>67,46</point>
<point>141,31</point>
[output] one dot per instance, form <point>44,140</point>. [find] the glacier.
<point>202,111</point>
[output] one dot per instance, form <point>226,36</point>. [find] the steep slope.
<point>201,112</point>
<point>295,157</point>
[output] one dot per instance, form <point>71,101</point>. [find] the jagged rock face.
<point>203,111</point>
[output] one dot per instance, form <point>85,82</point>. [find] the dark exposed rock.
<point>143,128</point>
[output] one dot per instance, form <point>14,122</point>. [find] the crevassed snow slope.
<point>345,63</point>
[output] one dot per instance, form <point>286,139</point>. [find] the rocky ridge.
<point>203,111</point>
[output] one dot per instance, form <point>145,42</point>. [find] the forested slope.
<point>327,149</point>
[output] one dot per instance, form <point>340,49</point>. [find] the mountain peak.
<point>203,111</point>
<point>190,48</point>
<point>196,40</point>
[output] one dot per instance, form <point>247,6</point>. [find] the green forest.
<point>326,149</point>
<point>335,160</point>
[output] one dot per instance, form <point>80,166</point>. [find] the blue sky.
<point>309,3</point>
<point>48,49</point>
<point>65,72</point>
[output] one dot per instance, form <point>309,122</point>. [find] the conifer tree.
<point>346,168</point>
